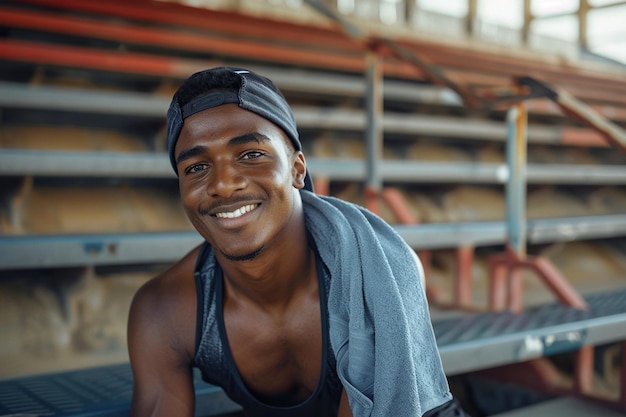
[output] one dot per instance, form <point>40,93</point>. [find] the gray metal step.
<point>18,162</point>
<point>466,343</point>
<point>95,392</point>
<point>480,341</point>
<point>16,95</point>
<point>46,251</point>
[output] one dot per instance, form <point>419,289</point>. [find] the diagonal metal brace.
<point>575,108</point>
<point>525,87</point>
<point>432,72</point>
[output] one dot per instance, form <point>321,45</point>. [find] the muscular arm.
<point>158,343</point>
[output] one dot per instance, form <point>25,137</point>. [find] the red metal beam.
<point>87,58</point>
<point>510,63</point>
<point>484,69</point>
<point>164,66</point>
<point>498,287</point>
<point>321,185</point>
<point>323,48</point>
<point>465,66</point>
<point>583,376</point>
<point>398,205</point>
<point>575,108</point>
<point>286,50</point>
<point>464,266</point>
<point>504,290</point>
<point>548,107</point>
<point>235,24</point>
<point>559,286</point>
<point>576,136</point>
<point>128,61</point>
<point>120,32</point>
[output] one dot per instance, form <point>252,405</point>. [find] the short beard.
<point>241,258</point>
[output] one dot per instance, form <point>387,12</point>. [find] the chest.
<point>278,356</point>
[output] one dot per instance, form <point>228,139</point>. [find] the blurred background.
<point>90,207</point>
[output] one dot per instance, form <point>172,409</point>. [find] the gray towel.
<point>380,326</point>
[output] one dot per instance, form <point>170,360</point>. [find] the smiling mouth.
<point>237,213</point>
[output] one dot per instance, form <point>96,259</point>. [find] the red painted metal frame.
<point>238,24</point>
<point>462,297</point>
<point>463,284</point>
<point>465,69</point>
<point>176,39</point>
<point>398,205</point>
<point>396,202</point>
<point>121,62</point>
<point>175,14</point>
<point>229,23</point>
<point>576,109</point>
<point>283,43</point>
<point>505,294</point>
<point>506,285</point>
<point>583,376</point>
<point>321,185</point>
<point>393,199</point>
<point>164,66</point>
<point>511,65</point>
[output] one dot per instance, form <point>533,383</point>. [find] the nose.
<point>225,179</point>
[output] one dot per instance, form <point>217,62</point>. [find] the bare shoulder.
<point>164,310</point>
<point>161,342</point>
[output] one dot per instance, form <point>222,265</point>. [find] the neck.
<point>281,270</point>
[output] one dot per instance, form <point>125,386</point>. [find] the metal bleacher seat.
<point>466,343</point>
<point>484,340</point>
<point>306,61</point>
<point>94,392</point>
<point>123,248</point>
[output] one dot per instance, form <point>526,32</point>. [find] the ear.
<point>298,169</point>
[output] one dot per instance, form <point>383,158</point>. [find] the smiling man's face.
<point>238,177</point>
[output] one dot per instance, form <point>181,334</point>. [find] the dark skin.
<point>239,178</point>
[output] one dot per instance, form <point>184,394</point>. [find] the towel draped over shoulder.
<point>380,328</point>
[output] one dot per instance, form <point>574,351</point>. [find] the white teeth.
<point>237,213</point>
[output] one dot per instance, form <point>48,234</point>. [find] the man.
<point>296,305</point>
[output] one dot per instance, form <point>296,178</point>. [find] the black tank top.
<point>214,359</point>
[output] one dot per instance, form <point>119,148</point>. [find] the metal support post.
<point>498,270</point>
<point>516,183</point>
<point>321,185</point>
<point>516,199</point>
<point>374,132</point>
<point>398,205</point>
<point>464,264</point>
<point>583,381</point>
<point>505,270</point>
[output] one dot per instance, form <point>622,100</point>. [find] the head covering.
<point>254,92</point>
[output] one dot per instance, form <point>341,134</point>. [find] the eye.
<point>194,169</point>
<point>251,155</point>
